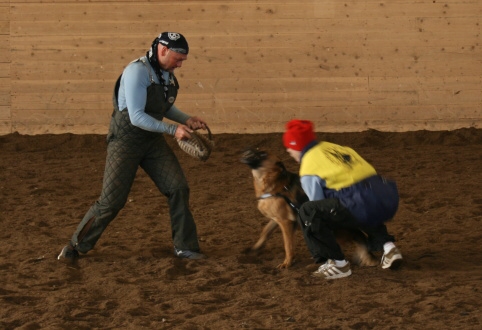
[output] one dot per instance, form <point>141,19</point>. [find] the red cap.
<point>299,133</point>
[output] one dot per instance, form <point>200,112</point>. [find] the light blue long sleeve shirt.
<point>313,187</point>
<point>135,80</point>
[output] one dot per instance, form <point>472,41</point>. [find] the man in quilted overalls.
<point>143,95</point>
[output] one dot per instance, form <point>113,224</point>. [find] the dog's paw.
<point>286,264</point>
<point>253,250</point>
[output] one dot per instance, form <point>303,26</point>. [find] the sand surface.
<point>132,280</point>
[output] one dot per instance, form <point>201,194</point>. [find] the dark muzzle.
<point>253,157</point>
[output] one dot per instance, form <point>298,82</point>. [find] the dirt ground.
<point>132,280</point>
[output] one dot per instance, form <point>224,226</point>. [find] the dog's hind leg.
<point>362,256</point>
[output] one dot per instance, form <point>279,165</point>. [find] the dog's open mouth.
<point>253,157</point>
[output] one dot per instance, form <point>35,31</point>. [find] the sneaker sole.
<point>193,257</point>
<point>67,261</point>
<point>396,263</point>
<point>332,277</point>
<point>63,258</point>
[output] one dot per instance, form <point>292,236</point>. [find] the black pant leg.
<point>377,236</point>
<point>319,219</point>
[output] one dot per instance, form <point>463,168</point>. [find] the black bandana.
<point>174,41</point>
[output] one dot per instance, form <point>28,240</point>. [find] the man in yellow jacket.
<point>345,191</point>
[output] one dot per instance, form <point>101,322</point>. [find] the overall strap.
<point>144,61</point>
<point>116,94</point>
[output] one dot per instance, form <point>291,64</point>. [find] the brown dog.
<point>279,195</point>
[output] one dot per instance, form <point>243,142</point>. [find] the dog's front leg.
<point>288,231</point>
<point>265,233</point>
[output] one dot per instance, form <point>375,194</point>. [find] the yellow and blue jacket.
<point>328,170</point>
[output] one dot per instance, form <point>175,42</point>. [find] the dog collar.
<point>264,196</point>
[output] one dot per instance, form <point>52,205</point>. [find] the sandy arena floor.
<point>133,281</point>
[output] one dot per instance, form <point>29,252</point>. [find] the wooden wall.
<point>5,81</point>
<point>348,65</point>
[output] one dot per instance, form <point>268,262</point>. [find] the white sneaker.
<point>392,259</point>
<point>329,270</point>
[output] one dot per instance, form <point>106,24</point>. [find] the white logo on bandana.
<point>173,36</point>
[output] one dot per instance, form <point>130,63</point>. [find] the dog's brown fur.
<point>274,186</point>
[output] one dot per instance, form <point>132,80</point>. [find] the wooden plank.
<point>149,11</point>
<point>23,24</point>
<point>138,45</point>
<point>446,65</point>
<point>378,38</point>
<point>4,70</point>
<point>190,27</point>
<point>334,114</point>
<point>401,99</point>
<point>5,127</point>
<point>204,86</point>
<point>473,96</point>
<point>320,51</point>
<point>424,27</point>
<point>4,13</point>
<point>263,127</point>
<point>317,93</point>
<point>389,9</point>
<point>249,127</point>
<point>271,85</point>
<point>362,117</point>
<point>80,102</point>
<point>5,48</point>
<point>57,86</point>
<point>5,84</point>
<point>54,101</point>
<point>302,99</point>
<point>419,26</point>
<point>5,113</point>
<point>254,27</point>
<point>4,27</point>
<point>284,65</point>
<point>447,83</point>
<point>5,98</point>
<point>4,58</point>
<point>57,116</point>
<point>49,128</point>
<point>4,41</point>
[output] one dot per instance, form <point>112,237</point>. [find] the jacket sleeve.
<point>313,187</point>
